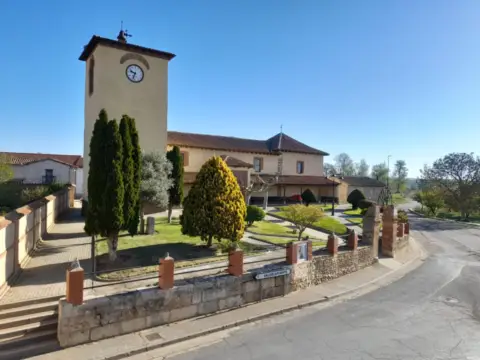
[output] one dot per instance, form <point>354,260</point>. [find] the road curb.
<point>421,252</point>
<point>441,219</point>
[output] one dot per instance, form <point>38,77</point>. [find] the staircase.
<point>28,328</point>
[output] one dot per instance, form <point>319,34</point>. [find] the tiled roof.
<point>362,181</point>
<point>300,180</point>
<point>235,163</point>
<point>97,40</point>
<point>230,143</point>
<point>27,158</point>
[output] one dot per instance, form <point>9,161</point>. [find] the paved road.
<point>431,313</point>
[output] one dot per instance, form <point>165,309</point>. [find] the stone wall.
<point>103,317</point>
<point>325,267</point>
<point>21,229</point>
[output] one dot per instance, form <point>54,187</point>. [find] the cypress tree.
<point>96,175</point>
<point>214,207</point>
<point>113,195</point>
<point>130,198</point>
<point>175,193</point>
<point>137,177</point>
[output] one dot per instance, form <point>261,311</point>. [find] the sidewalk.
<point>44,274</point>
<point>380,274</point>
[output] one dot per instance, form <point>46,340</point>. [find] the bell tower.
<point>124,78</point>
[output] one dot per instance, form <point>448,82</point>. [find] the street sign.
<point>272,273</point>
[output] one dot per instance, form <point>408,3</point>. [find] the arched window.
<point>91,69</point>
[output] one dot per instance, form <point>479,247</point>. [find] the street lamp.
<point>388,167</point>
<point>333,175</point>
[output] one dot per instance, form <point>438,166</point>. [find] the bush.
<point>354,198</point>
<point>254,213</point>
<point>402,216</point>
<point>365,204</point>
<point>308,197</point>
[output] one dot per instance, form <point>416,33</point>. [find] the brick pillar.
<point>332,244</point>
<point>292,253</point>
<point>71,196</point>
<point>371,228</point>
<point>75,279</point>
<point>352,240</point>
<point>389,231</point>
<point>406,229</point>
<point>309,250</point>
<point>235,262</point>
<point>166,271</point>
<point>400,230</point>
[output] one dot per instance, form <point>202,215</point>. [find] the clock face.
<point>134,73</point>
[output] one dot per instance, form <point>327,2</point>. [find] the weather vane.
<point>123,34</point>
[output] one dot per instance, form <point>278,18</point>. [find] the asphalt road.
<point>431,313</point>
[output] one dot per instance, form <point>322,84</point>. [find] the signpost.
<point>272,273</point>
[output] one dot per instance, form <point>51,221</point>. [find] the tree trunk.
<point>112,247</point>
<point>142,220</point>
<point>248,199</point>
<point>209,241</point>
<point>169,213</point>
<point>300,232</point>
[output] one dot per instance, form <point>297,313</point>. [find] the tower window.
<point>91,69</point>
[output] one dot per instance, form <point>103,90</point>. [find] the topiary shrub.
<point>254,213</point>
<point>365,204</point>
<point>354,198</point>
<point>214,207</point>
<point>308,197</point>
<point>402,216</point>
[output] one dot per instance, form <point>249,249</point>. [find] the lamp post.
<point>388,167</point>
<point>333,192</point>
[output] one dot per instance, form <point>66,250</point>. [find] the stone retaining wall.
<point>103,317</point>
<point>21,229</point>
<point>325,267</point>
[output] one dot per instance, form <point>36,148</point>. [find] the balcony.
<point>48,179</point>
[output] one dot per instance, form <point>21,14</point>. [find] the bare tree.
<point>361,168</point>
<point>259,186</point>
<point>344,164</point>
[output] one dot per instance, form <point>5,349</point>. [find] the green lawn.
<point>327,223</point>
<point>283,240</point>
<point>451,215</point>
<point>269,228</point>
<point>321,206</point>
<point>399,199</point>
<point>356,220</point>
<point>353,212</point>
<point>144,251</point>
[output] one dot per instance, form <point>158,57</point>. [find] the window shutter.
<point>261,164</point>
<point>185,158</point>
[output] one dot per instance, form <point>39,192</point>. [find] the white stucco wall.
<point>145,101</point>
<point>35,171</point>
<point>79,182</point>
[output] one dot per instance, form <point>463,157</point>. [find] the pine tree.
<point>214,207</point>
<point>175,193</point>
<point>137,176</point>
<point>308,197</point>
<point>113,196</point>
<point>131,198</point>
<point>96,175</point>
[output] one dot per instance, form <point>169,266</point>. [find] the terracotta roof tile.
<point>98,40</point>
<point>230,143</point>
<point>235,163</point>
<point>300,180</point>
<point>27,158</point>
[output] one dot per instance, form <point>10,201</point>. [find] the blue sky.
<point>369,78</point>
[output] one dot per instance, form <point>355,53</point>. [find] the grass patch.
<point>284,241</point>
<point>356,220</point>
<point>142,253</point>
<point>326,223</point>
<point>450,215</point>
<point>353,212</point>
<point>399,199</point>
<point>269,228</point>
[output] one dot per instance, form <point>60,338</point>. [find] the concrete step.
<point>39,317</point>
<point>11,305</point>
<point>23,330</point>
<point>30,350</point>
<point>35,336</point>
<point>28,309</point>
